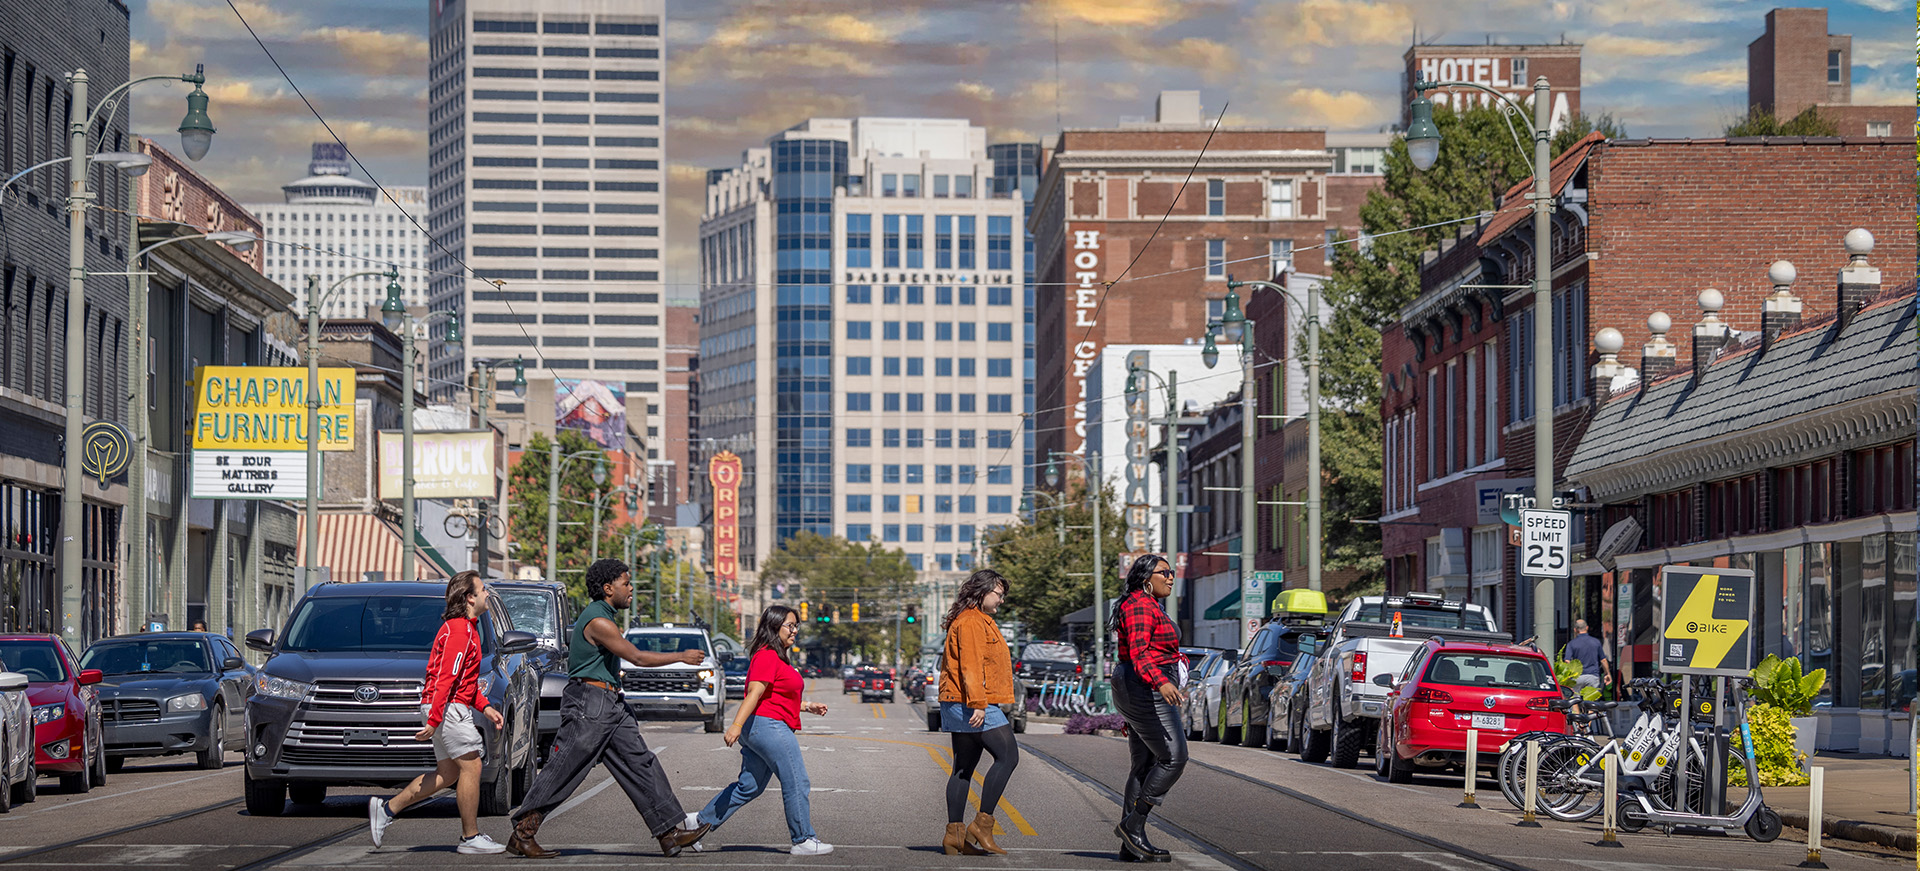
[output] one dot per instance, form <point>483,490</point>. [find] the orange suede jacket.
<point>977,669</point>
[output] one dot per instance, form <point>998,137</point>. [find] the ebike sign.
<point>1707,614</point>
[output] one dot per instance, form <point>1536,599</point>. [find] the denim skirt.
<point>955,717</point>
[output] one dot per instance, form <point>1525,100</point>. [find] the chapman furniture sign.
<point>249,429</point>
<point>446,464</point>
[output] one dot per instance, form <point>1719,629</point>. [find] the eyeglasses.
<point>1165,573</point>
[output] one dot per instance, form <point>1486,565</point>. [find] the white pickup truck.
<point>1375,635</point>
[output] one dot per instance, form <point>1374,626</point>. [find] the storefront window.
<point>1847,569</point>
<point>1900,619</point>
<point>1819,611</point>
<point>1767,606</point>
<point>1875,669</point>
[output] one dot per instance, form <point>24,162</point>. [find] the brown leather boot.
<point>956,841</point>
<point>521,843</point>
<point>980,834</point>
<point>678,839</point>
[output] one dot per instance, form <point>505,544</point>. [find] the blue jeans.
<point>768,749</point>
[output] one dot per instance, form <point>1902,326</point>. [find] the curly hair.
<point>973,592</point>
<point>602,573</point>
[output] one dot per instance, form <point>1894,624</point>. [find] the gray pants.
<point>597,726</point>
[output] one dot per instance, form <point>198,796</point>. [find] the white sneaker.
<point>693,822</point>
<point>378,817</point>
<point>480,844</point>
<point>811,847</point>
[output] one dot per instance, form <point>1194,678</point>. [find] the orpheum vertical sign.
<point>1084,258</point>
<point>724,472</point>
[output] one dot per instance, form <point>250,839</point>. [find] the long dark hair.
<point>768,635</point>
<point>458,588</point>
<point>973,592</point>
<point>1137,578</point>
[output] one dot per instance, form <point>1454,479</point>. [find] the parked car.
<point>168,693</point>
<point>66,710</point>
<point>680,691</point>
<point>338,700</point>
<point>543,609</point>
<point>850,679</point>
<point>1203,691</point>
<point>19,779</point>
<point>1298,616</point>
<point>736,674</point>
<point>1016,711</point>
<point>1448,687</point>
<point>1376,635</point>
<point>1042,661</point>
<point>1287,704</point>
<point>875,684</point>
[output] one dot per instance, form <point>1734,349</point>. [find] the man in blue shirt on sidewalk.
<point>1591,654</point>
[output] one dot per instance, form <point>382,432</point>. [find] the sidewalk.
<point>1865,800</point>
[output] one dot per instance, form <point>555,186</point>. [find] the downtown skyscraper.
<point>546,189</point>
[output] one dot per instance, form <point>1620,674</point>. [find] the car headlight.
<point>706,674</point>
<point>188,702</point>
<point>280,687</point>
<point>49,713</point>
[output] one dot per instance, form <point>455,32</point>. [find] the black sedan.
<point>168,693</point>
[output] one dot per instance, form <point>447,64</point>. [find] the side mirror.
<point>516,642</point>
<point>89,676</point>
<point>726,656</point>
<point>233,663</point>
<point>261,640</point>
<point>1383,680</point>
<point>12,682</point>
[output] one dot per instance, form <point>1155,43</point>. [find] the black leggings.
<point>966,756</point>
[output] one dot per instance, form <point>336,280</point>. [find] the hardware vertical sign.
<point>1139,469</point>
<point>724,472</point>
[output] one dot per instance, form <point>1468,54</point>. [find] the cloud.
<point>1644,47</point>
<point>975,90</point>
<point>1725,77</point>
<point>1342,110</point>
<point>1112,13</point>
<point>1340,23</point>
<point>1665,14</point>
<point>376,52</point>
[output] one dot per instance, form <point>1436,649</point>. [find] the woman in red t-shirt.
<point>764,727</point>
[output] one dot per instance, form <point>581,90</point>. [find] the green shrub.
<point>1773,753</point>
<point>1569,670</point>
<point>1779,683</point>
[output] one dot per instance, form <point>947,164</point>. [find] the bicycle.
<point>1511,766</point>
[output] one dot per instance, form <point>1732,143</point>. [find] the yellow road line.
<point>878,713</point>
<point>973,795</point>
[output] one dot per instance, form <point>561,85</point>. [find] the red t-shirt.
<point>782,701</point>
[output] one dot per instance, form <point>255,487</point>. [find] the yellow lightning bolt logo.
<point>1695,620</point>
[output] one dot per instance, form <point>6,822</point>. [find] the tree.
<point>1760,122</point>
<point>1582,124</point>
<point>1048,577</point>
<point>527,522</point>
<point>1479,162</point>
<point>828,573</point>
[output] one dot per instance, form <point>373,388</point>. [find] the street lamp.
<point>1314,505</point>
<point>1091,465</point>
<point>196,133</point>
<point>1423,148</point>
<point>315,298</point>
<point>1136,383</point>
<point>484,380</point>
<point>555,462</point>
<point>393,313</point>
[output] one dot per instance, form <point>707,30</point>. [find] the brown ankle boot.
<point>980,834</point>
<point>956,841</point>
<point>521,843</point>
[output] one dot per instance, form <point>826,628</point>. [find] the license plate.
<point>366,736</point>
<point>1489,721</point>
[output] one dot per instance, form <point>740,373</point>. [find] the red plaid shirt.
<point>1148,639</point>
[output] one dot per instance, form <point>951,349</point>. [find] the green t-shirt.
<point>587,659</point>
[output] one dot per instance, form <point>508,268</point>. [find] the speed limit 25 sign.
<point>1546,543</point>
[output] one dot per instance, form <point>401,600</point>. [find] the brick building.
<point>678,418</point>
<point>1640,226</point>
<point>1796,63</point>
<point>1509,69</point>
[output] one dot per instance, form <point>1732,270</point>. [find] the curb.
<point>1853,830</point>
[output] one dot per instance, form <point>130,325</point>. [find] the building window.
<point>1279,255</point>
<point>1216,258</point>
<point>916,241</point>
<point>859,503</point>
<point>999,242</point>
<point>1879,128</point>
<point>1490,449</point>
<point>1672,518</point>
<point>1469,411</point>
<point>1216,196</point>
<point>1733,507</point>
<point>1519,77</point>
<point>889,184</point>
<point>1433,414</point>
<point>859,241</point>
<point>964,244</point>
<point>859,438</point>
<point>859,473</point>
<point>890,240</point>
<point>910,184</point>
<point>859,532</point>
<point>1882,480</point>
<point>1453,415</point>
<point>1280,198</point>
<point>1835,68</point>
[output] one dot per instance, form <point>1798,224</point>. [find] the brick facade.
<point>1509,69</point>
<point>1792,66</point>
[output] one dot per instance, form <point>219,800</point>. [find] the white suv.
<point>676,692</point>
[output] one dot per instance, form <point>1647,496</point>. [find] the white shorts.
<point>458,735</point>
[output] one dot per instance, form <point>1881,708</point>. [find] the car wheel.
<point>1380,759</point>
<point>933,719</point>
<point>1227,734</point>
<point>1398,770</point>
<point>716,723</point>
<point>78,782</point>
<point>1209,730</point>
<point>115,764</point>
<point>6,789</point>
<point>1294,731</point>
<point>1276,739</point>
<point>215,755</point>
<point>1347,743</point>
<point>29,790</point>
<point>496,798</point>
<point>1250,735</point>
<point>308,793</point>
<point>1314,748</point>
<point>523,776</point>
<point>265,798</point>
<point>1020,725</point>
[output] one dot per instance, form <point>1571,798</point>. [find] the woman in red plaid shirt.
<point>1146,689</point>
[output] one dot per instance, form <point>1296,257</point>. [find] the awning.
<point>1228,608</point>
<point>1084,615</point>
<point>354,544</point>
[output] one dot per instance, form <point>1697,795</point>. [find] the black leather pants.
<point>1157,738</point>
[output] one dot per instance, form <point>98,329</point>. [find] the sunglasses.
<point>1165,573</point>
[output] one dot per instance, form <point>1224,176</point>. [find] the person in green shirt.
<point>597,726</point>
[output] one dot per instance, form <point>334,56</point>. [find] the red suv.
<point>66,709</point>
<point>1449,687</point>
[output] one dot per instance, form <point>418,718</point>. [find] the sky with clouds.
<point>739,70</point>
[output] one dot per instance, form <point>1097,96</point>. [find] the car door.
<point>1235,687</point>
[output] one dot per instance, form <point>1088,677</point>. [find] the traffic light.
<point>803,612</point>
<point>913,613</point>
<point>856,612</point>
<point>824,616</point>
<point>836,614</point>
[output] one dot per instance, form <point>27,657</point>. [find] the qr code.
<point>1674,650</point>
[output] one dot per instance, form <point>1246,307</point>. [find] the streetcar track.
<point>111,833</point>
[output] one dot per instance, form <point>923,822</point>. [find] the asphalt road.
<point>877,796</point>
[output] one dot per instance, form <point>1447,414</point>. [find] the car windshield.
<point>349,623</point>
<point>1489,670</point>
<point>1412,617</point>
<point>531,611</point>
<point>38,660</point>
<point>1051,651</point>
<point>668,642</point>
<point>1276,645</point>
<point>160,656</point>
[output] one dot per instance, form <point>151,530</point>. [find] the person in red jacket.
<point>448,701</point>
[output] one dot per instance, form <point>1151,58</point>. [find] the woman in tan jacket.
<point>976,677</point>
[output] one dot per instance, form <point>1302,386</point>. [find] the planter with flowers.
<point>1782,720</point>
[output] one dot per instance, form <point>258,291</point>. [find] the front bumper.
<point>287,742</point>
<point>68,731</point>
<point>669,706</point>
<point>170,734</point>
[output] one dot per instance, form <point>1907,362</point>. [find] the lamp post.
<point>196,134</point>
<point>483,374</point>
<point>555,462</point>
<point>1235,327</point>
<point>1170,502</point>
<point>315,297</point>
<point>1423,148</point>
<point>393,312</point>
<point>1096,491</point>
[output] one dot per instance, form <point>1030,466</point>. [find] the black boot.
<point>1132,830</point>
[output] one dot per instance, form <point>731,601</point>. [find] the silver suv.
<point>676,692</point>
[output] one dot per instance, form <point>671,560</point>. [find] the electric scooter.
<point>1643,804</point>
